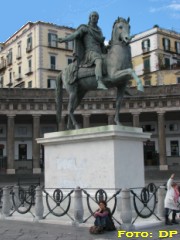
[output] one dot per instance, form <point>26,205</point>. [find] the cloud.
<point>171,5</point>
<point>174,6</point>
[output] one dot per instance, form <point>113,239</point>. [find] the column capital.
<point>86,114</point>
<point>135,113</point>
<point>161,112</point>
<point>36,115</point>
<point>11,115</point>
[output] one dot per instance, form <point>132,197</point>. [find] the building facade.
<point>32,57</point>
<point>156,56</point>
<point>26,114</point>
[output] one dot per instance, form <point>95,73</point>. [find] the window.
<point>29,65</point>
<point>166,44</point>
<point>147,81</point>
<point>9,57</point>
<point>10,77</point>
<point>52,62</point>
<point>52,40</point>
<point>19,72</point>
<point>1,81</point>
<point>177,47</point>
<point>174,148</point>
<point>51,83</point>
<point>148,128</point>
<point>178,80</point>
<point>19,52</point>
<point>69,60</point>
<point>22,151</point>
<point>22,131</point>
<point>167,63</point>
<point>146,45</point>
<point>173,127</point>
<point>30,84</point>
<point>29,44</point>
<point>146,65</point>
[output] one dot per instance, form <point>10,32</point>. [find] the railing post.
<point>160,204</point>
<point>39,207</point>
<point>126,210</point>
<point>6,206</point>
<point>17,201</point>
<point>78,205</point>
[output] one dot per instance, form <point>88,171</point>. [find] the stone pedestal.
<point>99,157</point>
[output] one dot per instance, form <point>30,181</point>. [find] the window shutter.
<point>49,39</point>
<point>142,45</point>
<point>163,42</point>
<point>148,43</point>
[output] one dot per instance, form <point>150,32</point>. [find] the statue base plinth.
<point>99,157</point>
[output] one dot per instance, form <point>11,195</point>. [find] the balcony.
<point>18,57</point>
<point>18,77</point>
<point>174,66</point>
<point>29,48</point>
<point>9,84</point>
<point>29,72</point>
<point>146,70</point>
<point>145,50</point>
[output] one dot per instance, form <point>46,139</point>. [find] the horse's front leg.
<point>119,98</point>
<point>129,71</point>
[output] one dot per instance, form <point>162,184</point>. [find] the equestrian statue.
<point>96,66</point>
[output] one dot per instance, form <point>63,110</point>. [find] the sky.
<point>144,14</point>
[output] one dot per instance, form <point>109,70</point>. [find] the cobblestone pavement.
<point>17,230</point>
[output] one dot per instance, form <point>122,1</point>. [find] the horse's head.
<point>121,31</point>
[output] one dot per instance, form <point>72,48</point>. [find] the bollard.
<point>17,201</point>
<point>39,207</point>
<point>6,206</point>
<point>160,204</point>
<point>126,210</point>
<point>78,205</point>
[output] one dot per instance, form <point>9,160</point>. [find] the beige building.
<point>32,57</point>
<point>156,56</point>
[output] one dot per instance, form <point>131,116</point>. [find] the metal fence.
<point>79,205</point>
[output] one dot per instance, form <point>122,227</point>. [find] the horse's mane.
<point>118,20</point>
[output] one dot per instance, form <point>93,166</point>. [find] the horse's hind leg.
<point>119,98</point>
<point>72,105</point>
<point>75,101</point>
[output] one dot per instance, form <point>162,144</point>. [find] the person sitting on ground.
<point>104,217</point>
<point>171,201</point>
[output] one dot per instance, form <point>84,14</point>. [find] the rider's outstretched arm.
<point>69,38</point>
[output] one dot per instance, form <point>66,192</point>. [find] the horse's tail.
<point>59,99</point>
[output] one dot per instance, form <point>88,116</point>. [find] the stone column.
<point>160,205</point>
<point>36,146</point>
<point>110,119</point>
<point>135,119</point>
<point>78,205</point>
<point>10,145</point>
<point>39,207</point>
<point>126,210</point>
<point>86,120</point>
<point>162,142</point>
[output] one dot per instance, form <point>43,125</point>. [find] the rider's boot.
<point>101,85</point>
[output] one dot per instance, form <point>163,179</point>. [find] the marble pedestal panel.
<point>99,157</point>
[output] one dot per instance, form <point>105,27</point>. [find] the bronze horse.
<point>118,71</point>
